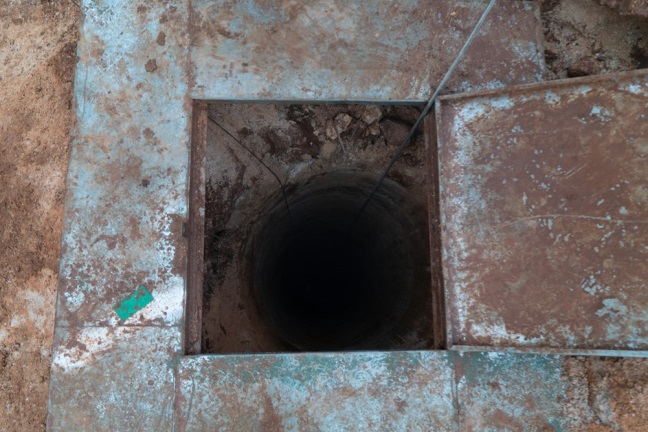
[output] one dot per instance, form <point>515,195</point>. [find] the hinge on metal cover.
<point>184,229</point>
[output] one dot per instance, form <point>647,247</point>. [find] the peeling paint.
<point>133,304</point>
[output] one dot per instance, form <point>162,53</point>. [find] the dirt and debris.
<point>37,59</point>
<point>607,394</point>
<point>628,7</point>
<point>583,37</point>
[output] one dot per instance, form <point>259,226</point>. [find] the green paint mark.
<point>129,306</point>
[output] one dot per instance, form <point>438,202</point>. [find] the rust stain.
<point>545,225</point>
<point>161,38</point>
<point>151,65</point>
<point>347,50</point>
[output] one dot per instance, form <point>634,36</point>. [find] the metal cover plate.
<point>544,207</point>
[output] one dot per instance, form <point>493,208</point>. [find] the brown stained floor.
<point>37,46</point>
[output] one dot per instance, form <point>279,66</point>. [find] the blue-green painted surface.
<point>133,304</point>
<point>377,391</point>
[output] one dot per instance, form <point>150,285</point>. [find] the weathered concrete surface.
<point>128,196</point>
<point>397,391</point>
<point>352,391</point>
<point>510,392</point>
<point>127,180</point>
<point>544,202</point>
<point>113,379</point>
<point>354,50</point>
<point>125,206</point>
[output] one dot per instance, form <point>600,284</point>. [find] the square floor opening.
<point>291,262</point>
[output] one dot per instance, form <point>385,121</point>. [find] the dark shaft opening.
<point>322,287</point>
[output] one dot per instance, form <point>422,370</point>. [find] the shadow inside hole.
<point>322,284</point>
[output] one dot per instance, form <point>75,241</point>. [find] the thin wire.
<point>427,109</point>
<point>283,189</point>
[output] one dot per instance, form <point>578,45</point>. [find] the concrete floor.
<point>604,394</point>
